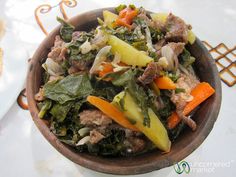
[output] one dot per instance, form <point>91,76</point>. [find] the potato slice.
<point>159,17</point>
<point>129,55</point>
<point>191,37</point>
<point>156,132</point>
<point>109,18</point>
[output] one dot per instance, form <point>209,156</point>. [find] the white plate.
<point>13,71</point>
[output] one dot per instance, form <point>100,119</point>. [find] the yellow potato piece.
<point>129,55</point>
<point>159,17</point>
<point>191,37</point>
<point>109,18</point>
<point>156,132</point>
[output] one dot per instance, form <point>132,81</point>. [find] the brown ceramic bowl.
<point>186,143</point>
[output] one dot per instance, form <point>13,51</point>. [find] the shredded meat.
<point>159,26</point>
<point>176,47</point>
<point>95,136</point>
<point>73,70</point>
<point>159,44</point>
<point>150,73</point>
<point>76,35</point>
<point>79,65</point>
<point>39,96</point>
<point>171,52</point>
<point>135,144</point>
<point>143,15</point>
<point>177,30</point>
<point>187,82</point>
<point>58,51</point>
<point>94,118</point>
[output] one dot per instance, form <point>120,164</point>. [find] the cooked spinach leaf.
<point>105,89</point>
<point>173,76</point>
<point>140,45</point>
<point>90,56</point>
<point>59,111</point>
<point>66,30</point>
<point>123,79</point>
<point>112,145</point>
<point>168,108</point>
<point>156,34</point>
<point>120,8</point>
<point>186,59</point>
<point>45,106</point>
<point>174,133</point>
<point>179,90</point>
<point>70,88</point>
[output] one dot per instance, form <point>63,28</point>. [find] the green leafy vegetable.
<point>174,133</point>
<point>179,90</point>
<point>66,30</point>
<point>59,111</point>
<point>132,6</point>
<point>140,45</point>
<point>70,88</point>
<point>186,59</point>
<point>168,108</point>
<point>156,35</point>
<point>126,35</point>
<point>104,89</point>
<point>173,76</point>
<point>74,47</point>
<point>112,145</point>
<point>124,78</point>
<point>120,8</point>
<point>46,105</point>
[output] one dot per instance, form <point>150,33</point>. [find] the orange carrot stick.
<point>111,111</point>
<point>200,93</point>
<point>107,68</point>
<point>165,82</point>
<point>126,17</point>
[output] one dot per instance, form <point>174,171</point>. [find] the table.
<point>25,152</point>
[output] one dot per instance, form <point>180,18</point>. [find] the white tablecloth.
<point>24,151</point>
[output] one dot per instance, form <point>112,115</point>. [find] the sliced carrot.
<point>165,82</point>
<point>200,93</point>
<point>111,111</point>
<point>126,17</point>
<point>123,22</point>
<point>173,120</point>
<point>107,68</point>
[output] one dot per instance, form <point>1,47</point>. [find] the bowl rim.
<point>84,161</point>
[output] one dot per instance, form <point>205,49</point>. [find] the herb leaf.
<point>46,105</point>
<point>59,111</point>
<point>120,8</point>
<point>70,88</point>
<point>186,59</point>
<point>66,30</point>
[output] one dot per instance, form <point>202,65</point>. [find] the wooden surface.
<point>186,143</point>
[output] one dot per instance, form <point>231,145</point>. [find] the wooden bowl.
<point>186,143</point>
